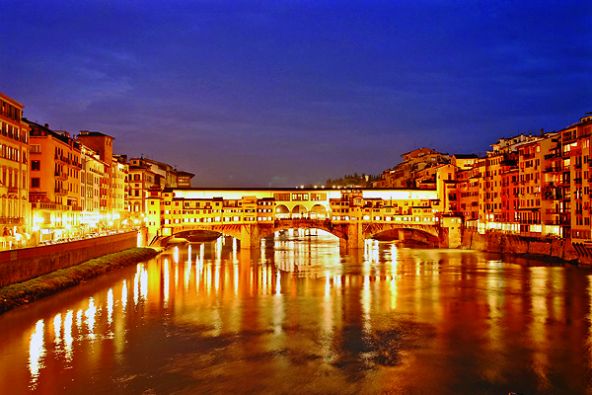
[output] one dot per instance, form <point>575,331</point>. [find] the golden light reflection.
<point>57,328</point>
<point>198,272</point>
<point>263,251</point>
<point>187,275</point>
<point>218,249</point>
<point>90,314</point>
<point>217,278</point>
<point>176,276</point>
<point>337,281</point>
<point>68,339</point>
<point>166,282</point>
<point>36,353</point>
<point>538,327</point>
<point>235,278</point>
<point>143,282</point>
<point>338,296</point>
<point>327,284</point>
<point>136,286</point>
<point>176,254</point>
<point>110,306</point>
<point>124,296</point>
<point>366,300</point>
<point>79,320</point>
<point>278,309</point>
<point>278,282</point>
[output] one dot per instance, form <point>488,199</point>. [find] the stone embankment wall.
<point>24,264</point>
<point>503,243</point>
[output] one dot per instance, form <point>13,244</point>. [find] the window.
<point>35,165</point>
<point>35,183</point>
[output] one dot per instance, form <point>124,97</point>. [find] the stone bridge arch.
<point>427,234</point>
<point>228,230</point>
<point>338,230</point>
<point>349,234</point>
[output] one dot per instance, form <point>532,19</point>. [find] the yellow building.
<point>119,172</point>
<point>91,178</point>
<point>55,183</point>
<point>14,174</point>
<point>144,175</point>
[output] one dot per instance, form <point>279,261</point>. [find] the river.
<point>298,316</point>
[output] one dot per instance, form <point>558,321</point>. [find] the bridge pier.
<point>355,237</point>
<point>450,232</point>
<point>250,236</point>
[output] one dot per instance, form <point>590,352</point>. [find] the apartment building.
<point>55,182</point>
<point>14,173</point>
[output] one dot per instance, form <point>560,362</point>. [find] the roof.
<point>185,173</point>
<point>94,134</point>
<point>37,127</point>
<point>11,100</point>
<point>466,156</point>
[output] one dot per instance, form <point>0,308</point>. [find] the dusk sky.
<point>282,93</point>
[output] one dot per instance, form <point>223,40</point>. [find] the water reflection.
<point>36,352</point>
<point>214,318</point>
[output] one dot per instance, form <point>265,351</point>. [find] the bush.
<point>18,294</point>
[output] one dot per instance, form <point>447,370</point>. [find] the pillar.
<point>451,227</point>
<point>355,238</point>
<point>250,236</point>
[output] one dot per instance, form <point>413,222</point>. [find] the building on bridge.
<point>249,214</point>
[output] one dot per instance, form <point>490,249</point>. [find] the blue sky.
<point>282,93</point>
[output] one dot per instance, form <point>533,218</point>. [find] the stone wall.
<point>503,243</point>
<point>24,264</point>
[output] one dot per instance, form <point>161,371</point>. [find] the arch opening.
<point>303,233</point>
<point>318,211</point>
<point>299,212</point>
<point>282,211</point>
<point>408,236</point>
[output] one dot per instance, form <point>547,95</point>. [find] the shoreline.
<point>19,294</point>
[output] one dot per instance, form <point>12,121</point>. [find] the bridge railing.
<point>390,219</point>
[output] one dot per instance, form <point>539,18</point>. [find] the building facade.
<point>15,218</point>
<point>55,188</point>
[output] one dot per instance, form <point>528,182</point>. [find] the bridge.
<point>352,215</point>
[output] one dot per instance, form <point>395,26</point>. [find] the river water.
<point>297,316</point>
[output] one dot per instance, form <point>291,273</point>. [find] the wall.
<point>24,264</point>
<point>497,242</point>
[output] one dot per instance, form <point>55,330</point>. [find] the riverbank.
<point>18,294</point>
<point>548,249</point>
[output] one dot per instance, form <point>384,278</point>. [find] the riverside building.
<point>55,183</point>
<point>14,174</point>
